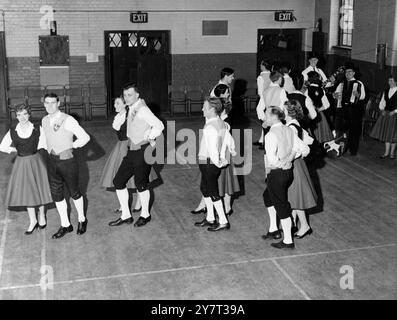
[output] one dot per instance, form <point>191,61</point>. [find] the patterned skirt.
<point>113,163</point>
<point>385,128</point>
<point>321,130</point>
<point>301,193</point>
<point>28,185</point>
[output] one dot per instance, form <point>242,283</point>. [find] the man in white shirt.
<point>281,145</point>
<point>60,129</point>
<point>143,127</point>
<point>350,108</point>
<point>313,60</point>
<point>263,81</point>
<point>227,78</point>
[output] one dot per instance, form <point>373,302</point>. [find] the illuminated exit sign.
<point>138,17</point>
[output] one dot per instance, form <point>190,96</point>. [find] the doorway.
<point>279,45</point>
<point>140,57</point>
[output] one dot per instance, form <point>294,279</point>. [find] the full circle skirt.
<point>385,128</point>
<point>321,130</point>
<point>301,193</point>
<point>28,185</point>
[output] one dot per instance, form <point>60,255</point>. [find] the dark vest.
<point>347,92</point>
<point>122,133</point>
<point>316,93</point>
<point>391,103</point>
<point>28,146</point>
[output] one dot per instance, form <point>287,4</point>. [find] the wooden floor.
<point>171,259</point>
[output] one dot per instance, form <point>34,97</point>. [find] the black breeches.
<point>62,172</point>
<point>276,193</point>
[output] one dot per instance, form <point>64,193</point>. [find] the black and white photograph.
<point>197,156</point>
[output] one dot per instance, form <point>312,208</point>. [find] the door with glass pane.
<point>140,57</point>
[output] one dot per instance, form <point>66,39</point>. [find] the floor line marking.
<point>364,168</point>
<point>290,279</point>
<point>3,242</point>
<point>132,274</point>
<point>360,180</point>
<point>43,266</point>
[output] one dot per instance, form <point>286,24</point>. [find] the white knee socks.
<point>210,209</point>
<point>273,219</point>
<point>62,208</point>
<point>79,204</point>
<point>286,224</point>
<point>122,195</point>
<point>219,210</point>
<point>145,199</point>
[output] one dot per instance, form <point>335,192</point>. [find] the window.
<point>346,23</point>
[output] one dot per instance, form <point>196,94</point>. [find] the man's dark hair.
<point>275,75</point>
<point>51,95</point>
<point>226,72</point>
<point>131,85</point>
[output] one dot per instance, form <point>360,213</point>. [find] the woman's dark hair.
<point>215,103</point>
<point>314,77</point>
<point>21,107</point>
<point>226,72</point>
<point>278,112</point>
<point>294,109</point>
<point>221,89</point>
<point>266,64</point>
<point>298,81</point>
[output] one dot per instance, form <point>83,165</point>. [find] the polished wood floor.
<point>354,229</point>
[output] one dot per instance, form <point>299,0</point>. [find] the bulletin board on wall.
<point>54,50</point>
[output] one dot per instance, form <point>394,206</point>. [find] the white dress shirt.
<point>209,144</point>
<point>263,82</point>
<point>288,83</point>
<point>318,70</point>
<point>118,120</point>
<point>272,159</point>
<point>6,142</point>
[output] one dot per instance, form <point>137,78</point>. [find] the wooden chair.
<point>35,98</point>
<point>97,99</point>
<point>371,113</point>
<point>177,97</point>
<point>194,97</point>
<point>74,99</point>
<point>15,96</point>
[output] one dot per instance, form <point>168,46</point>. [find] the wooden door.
<point>140,57</point>
<point>279,45</point>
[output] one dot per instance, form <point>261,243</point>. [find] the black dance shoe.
<point>228,214</point>
<point>120,221</point>
<point>82,227</point>
<point>203,210</point>
<point>42,226</point>
<point>219,227</point>
<point>137,210</point>
<point>308,232</point>
<point>205,223</point>
<point>62,231</point>
<point>282,245</point>
<point>257,143</point>
<point>142,221</point>
<point>275,235</point>
<point>31,231</point>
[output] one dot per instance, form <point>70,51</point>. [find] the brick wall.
<point>23,71</point>
<point>85,73</point>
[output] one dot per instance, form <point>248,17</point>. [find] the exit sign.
<point>284,16</point>
<point>138,17</point>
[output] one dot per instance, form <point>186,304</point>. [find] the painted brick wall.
<point>85,73</point>
<point>23,71</point>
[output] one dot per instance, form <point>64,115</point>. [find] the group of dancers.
<point>292,121</point>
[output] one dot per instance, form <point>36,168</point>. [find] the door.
<point>4,112</point>
<point>140,57</point>
<point>279,45</point>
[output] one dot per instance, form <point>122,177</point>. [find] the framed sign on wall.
<point>54,50</point>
